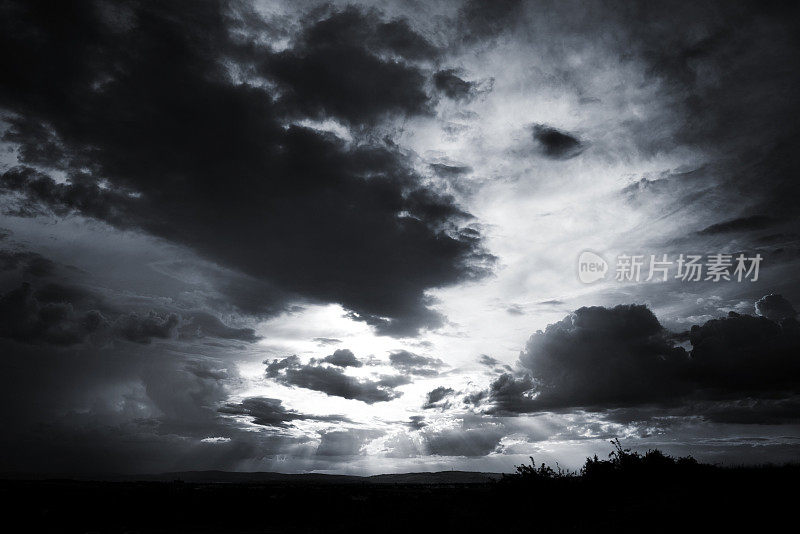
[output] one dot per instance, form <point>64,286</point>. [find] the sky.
<point>356,238</point>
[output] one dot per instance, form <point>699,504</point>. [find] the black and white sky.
<point>344,236</point>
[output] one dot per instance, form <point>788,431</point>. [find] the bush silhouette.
<point>621,463</point>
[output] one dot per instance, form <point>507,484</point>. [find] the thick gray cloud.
<point>333,380</point>
<point>240,184</point>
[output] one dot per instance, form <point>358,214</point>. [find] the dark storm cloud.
<point>742,224</point>
<point>339,54</point>
<point>67,315</point>
<point>775,308</point>
<point>743,355</point>
<point>343,358</point>
<point>556,144</point>
<point>435,396</point>
<point>414,364</point>
<point>24,318</point>
<point>269,412</point>
<point>602,358</point>
<point>154,135</point>
<point>333,381</point>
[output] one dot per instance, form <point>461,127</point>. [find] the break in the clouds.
<point>341,237</point>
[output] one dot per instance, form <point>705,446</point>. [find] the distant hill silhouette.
<point>268,477</point>
<point>628,492</point>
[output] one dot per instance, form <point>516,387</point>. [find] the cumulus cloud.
<point>604,358</point>
<point>341,53</point>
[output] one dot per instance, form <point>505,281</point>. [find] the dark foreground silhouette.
<point>628,492</point>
